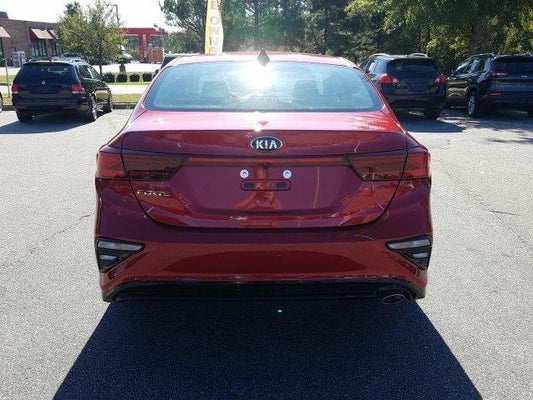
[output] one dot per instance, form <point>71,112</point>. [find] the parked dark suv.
<point>486,81</point>
<point>410,82</point>
<point>60,86</point>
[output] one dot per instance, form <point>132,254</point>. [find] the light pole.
<point>116,10</point>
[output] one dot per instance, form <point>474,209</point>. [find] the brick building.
<point>22,40</point>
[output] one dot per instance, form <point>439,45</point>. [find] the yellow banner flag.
<point>214,34</point>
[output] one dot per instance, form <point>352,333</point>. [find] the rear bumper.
<point>75,104</point>
<point>319,262</point>
<point>416,102</point>
<point>261,291</point>
<point>508,100</point>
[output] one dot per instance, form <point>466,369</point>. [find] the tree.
<point>94,31</point>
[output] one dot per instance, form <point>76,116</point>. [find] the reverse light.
<point>150,166</point>
<point>110,252</point>
<point>417,250</point>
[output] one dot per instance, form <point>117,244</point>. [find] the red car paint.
<point>316,202</point>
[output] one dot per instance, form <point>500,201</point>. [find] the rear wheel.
<point>473,108</point>
<point>431,113</point>
<point>92,113</point>
<point>24,116</point>
<point>1,103</point>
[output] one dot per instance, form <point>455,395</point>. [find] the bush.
<point>135,78</point>
<point>122,78</point>
<point>109,77</point>
<point>147,77</point>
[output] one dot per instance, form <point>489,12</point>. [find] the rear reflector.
<point>15,89</point>
<point>110,252</point>
<point>412,164</point>
<point>418,250</point>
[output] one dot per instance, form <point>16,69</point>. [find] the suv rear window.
<point>413,66</point>
<point>36,72</point>
<point>514,65</point>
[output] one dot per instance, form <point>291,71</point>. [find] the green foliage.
<point>122,77</point>
<point>109,77</point>
<point>94,31</point>
<point>135,78</point>
<point>446,29</point>
<point>147,77</point>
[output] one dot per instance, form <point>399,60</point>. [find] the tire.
<point>530,113</point>
<point>473,109</point>
<point>109,105</point>
<point>431,113</point>
<point>24,116</point>
<point>92,113</point>
<point>1,103</point>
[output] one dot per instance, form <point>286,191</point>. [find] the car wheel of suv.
<point>431,113</point>
<point>472,105</point>
<point>24,116</point>
<point>92,114</point>
<point>109,105</point>
<point>1,103</point>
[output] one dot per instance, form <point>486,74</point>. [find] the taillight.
<point>494,74</point>
<point>388,79</point>
<point>150,166</point>
<point>77,89</point>
<point>441,79</point>
<point>15,89</point>
<point>135,165</point>
<point>378,167</point>
<point>417,164</point>
<point>109,163</point>
<point>394,166</point>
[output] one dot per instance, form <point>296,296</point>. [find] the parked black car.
<point>43,87</point>
<point>487,81</point>
<point>410,82</point>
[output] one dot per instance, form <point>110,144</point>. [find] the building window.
<point>38,48</point>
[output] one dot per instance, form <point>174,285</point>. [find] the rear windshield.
<point>514,65</point>
<point>37,72</point>
<point>413,66</point>
<point>248,86</point>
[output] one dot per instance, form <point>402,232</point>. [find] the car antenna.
<point>263,58</point>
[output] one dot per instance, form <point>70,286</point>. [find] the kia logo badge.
<point>266,143</point>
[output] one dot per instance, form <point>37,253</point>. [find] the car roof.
<point>54,62</point>
<point>274,56</point>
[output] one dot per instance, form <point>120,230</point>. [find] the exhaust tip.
<point>391,295</point>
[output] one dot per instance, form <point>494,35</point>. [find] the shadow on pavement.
<point>414,122</point>
<point>266,350</point>
<point>47,123</point>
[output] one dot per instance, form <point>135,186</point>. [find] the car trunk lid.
<point>264,170</point>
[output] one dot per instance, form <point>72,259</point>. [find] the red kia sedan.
<point>263,175</point>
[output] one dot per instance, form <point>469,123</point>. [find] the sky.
<point>132,13</point>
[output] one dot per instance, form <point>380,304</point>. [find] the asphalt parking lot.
<point>470,338</point>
